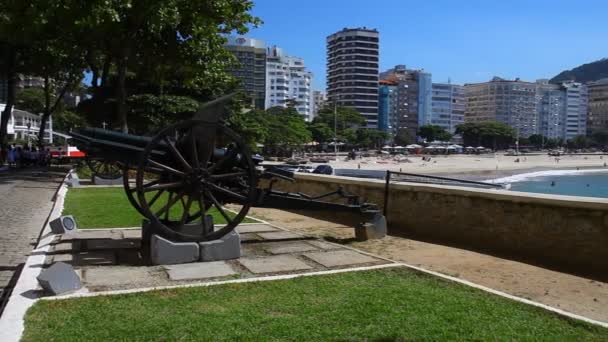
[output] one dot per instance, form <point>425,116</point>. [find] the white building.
<point>576,109</point>
<point>288,82</point>
<point>447,106</point>
<point>318,101</point>
<point>562,109</point>
<point>25,125</point>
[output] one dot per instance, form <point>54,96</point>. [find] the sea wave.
<point>527,176</point>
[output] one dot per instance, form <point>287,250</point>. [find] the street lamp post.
<point>29,126</point>
<point>336,128</point>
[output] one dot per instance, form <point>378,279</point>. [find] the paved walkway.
<point>25,202</point>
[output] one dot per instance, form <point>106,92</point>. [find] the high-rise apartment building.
<point>288,82</point>
<point>598,105</point>
<point>251,54</point>
<point>447,106</point>
<point>551,107</point>
<point>352,71</point>
<point>387,106</point>
<point>413,100</point>
<point>576,109</point>
<point>512,102</point>
<point>318,101</point>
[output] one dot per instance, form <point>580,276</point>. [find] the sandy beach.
<point>477,166</point>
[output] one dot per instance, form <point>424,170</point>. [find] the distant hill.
<point>585,73</point>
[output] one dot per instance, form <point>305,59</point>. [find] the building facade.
<point>512,102</point>
<point>551,102</point>
<point>352,71</point>
<point>576,109</point>
<point>25,126</point>
<point>251,55</point>
<point>387,103</point>
<point>447,106</point>
<point>412,99</point>
<point>288,82</point>
<point>318,101</point>
<point>598,105</point>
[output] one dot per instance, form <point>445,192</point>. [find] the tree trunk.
<point>48,110</point>
<point>121,93</point>
<point>11,74</point>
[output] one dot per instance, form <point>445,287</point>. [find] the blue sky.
<point>466,41</point>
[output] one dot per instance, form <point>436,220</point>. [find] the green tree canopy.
<point>342,118</point>
<point>434,132</point>
<point>495,134</point>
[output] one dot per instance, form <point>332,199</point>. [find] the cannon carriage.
<point>189,171</point>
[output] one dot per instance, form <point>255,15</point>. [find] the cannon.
<point>198,167</point>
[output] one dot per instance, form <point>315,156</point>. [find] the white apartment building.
<point>447,106</point>
<point>25,125</point>
<point>576,109</point>
<point>318,101</point>
<point>288,82</point>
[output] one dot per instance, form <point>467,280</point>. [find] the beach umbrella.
<point>470,148</point>
<point>481,148</point>
<point>386,147</point>
<point>413,146</point>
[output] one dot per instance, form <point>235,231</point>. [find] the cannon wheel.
<point>105,169</point>
<point>131,189</point>
<point>189,173</point>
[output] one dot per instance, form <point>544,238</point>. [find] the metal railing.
<point>426,179</point>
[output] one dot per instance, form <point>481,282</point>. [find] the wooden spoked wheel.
<point>187,173</point>
<point>105,169</point>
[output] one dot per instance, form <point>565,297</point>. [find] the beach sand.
<point>488,166</point>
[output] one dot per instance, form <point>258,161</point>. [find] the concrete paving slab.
<point>110,244</point>
<point>340,258</point>
<point>199,270</point>
<point>282,235</point>
<point>65,247</point>
<point>289,247</point>
<point>255,228</point>
<point>324,245</point>
<point>274,264</point>
<point>87,258</point>
<point>84,234</point>
<point>131,233</point>
<point>250,237</point>
<point>117,275</point>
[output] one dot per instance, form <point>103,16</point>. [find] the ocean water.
<point>591,183</point>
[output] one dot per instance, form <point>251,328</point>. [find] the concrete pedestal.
<point>102,181</point>
<point>161,250</point>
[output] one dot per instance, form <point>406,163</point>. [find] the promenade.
<point>25,202</point>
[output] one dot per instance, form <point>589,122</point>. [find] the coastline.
<point>475,167</point>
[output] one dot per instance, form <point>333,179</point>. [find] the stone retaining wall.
<point>562,231</point>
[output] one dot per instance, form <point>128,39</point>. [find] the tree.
<point>370,138</point>
<point>286,128</point>
<point>320,132</point>
<point>342,118</point>
<point>495,134</point>
<point>164,43</point>
<point>403,137</point>
<point>579,141</point>
<point>434,132</point>
<point>600,137</point>
<point>251,126</point>
<point>150,112</point>
<point>30,100</point>
<point>537,140</point>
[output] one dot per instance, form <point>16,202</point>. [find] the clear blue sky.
<point>467,41</point>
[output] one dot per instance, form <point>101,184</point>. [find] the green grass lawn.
<point>379,305</point>
<point>110,208</point>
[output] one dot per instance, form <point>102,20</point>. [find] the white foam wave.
<point>527,176</point>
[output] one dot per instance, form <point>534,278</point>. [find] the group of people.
<point>17,156</point>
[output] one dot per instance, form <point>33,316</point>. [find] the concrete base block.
<point>225,248</point>
<point>165,252</point>
<point>101,181</point>
<point>59,278</point>
<point>73,180</point>
<point>372,230</point>
<point>64,224</point>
